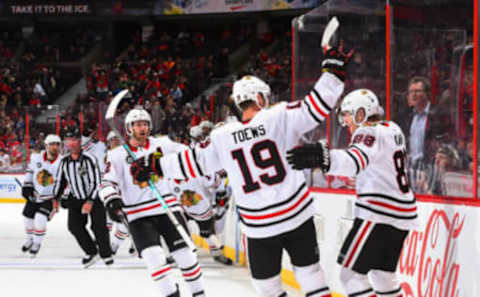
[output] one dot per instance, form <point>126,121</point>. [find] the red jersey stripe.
<point>190,168</point>
<point>316,106</point>
<point>359,156</point>
<point>386,205</point>
<point>278,213</point>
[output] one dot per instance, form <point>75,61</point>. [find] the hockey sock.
<point>159,269</point>
<point>356,284</point>
<point>270,287</point>
<point>188,264</point>
<point>312,280</point>
<point>40,228</point>
<point>120,233</point>
<point>28,223</point>
<point>214,245</point>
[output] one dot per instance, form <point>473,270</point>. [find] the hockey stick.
<point>330,29</point>
<point>109,116</point>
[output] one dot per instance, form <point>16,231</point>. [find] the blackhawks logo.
<point>44,178</point>
<point>190,198</point>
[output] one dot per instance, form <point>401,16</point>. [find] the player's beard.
<point>141,137</point>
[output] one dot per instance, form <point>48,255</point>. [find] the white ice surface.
<point>56,271</point>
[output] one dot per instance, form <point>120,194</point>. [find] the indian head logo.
<point>190,198</point>
<point>44,178</point>
<point>429,257</point>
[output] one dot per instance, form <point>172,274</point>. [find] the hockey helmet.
<point>52,138</point>
<point>111,135</point>
<point>135,115</point>
<point>195,132</point>
<point>361,99</point>
<point>247,89</point>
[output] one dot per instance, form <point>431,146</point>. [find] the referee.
<point>79,170</point>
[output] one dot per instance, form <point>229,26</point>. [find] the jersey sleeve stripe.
<point>317,108</point>
<point>354,160</point>
<point>311,113</point>
<point>322,102</point>
<point>196,162</point>
<point>386,205</point>
<point>180,161</point>
<point>401,217</point>
<point>363,153</point>
<point>360,157</point>
<point>189,164</point>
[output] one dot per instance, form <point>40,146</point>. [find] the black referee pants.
<point>77,226</point>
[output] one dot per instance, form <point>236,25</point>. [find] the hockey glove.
<point>114,209</point>
<point>310,155</point>
<point>221,198</point>
<point>27,192</point>
<point>335,61</point>
<point>143,168</point>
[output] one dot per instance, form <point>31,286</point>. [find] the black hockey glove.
<point>143,168</point>
<point>114,209</point>
<point>310,155</point>
<point>335,61</point>
<point>27,192</point>
<point>221,198</point>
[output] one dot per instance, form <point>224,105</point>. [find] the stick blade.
<point>112,107</point>
<point>329,31</point>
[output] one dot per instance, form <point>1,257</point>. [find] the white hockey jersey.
<point>196,195</point>
<point>377,157</point>
<point>138,198</point>
<point>40,174</point>
<point>271,197</point>
<point>98,149</point>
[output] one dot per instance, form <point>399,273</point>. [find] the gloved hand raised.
<point>335,61</point>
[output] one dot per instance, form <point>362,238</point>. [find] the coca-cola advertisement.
<point>432,263</point>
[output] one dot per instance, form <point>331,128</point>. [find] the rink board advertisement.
<point>10,187</point>
<point>439,258</point>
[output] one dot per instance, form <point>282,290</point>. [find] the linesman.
<point>80,171</point>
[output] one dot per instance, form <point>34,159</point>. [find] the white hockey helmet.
<point>361,99</point>
<point>52,138</point>
<point>195,131</point>
<point>135,115</point>
<point>206,124</point>
<point>247,89</point>
<point>111,135</point>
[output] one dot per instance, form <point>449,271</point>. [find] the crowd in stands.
<point>169,70</point>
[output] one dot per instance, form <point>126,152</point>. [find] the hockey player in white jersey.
<point>91,144</point>
<point>118,231</point>
<point>146,217</point>
<point>273,200</point>
<point>197,197</point>
<point>196,136</point>
<point>385,207</point>
<point>38,190</point>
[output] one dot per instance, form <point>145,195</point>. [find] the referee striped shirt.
<point>81,175</point>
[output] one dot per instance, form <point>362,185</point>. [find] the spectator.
<point>424,125</point>
<point>4,160</point>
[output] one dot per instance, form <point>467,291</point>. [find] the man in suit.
<point>425,126</point>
